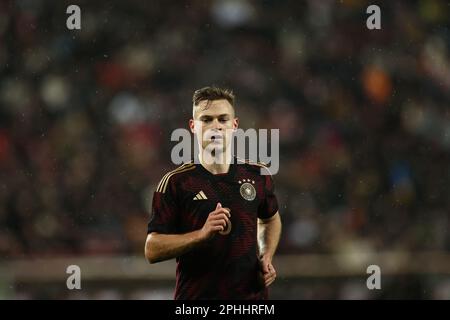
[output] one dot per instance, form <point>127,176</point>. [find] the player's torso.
<point>226,265</point>
<point>241,191</point>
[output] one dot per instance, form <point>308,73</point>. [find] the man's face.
<point>214,123</point>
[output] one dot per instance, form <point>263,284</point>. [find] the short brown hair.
<point>212,93</point>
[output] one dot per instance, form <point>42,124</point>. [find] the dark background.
<point>86,117</point>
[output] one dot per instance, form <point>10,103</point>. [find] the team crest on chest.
<point>247,190</point>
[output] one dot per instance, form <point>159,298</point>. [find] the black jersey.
<point>226,266</point>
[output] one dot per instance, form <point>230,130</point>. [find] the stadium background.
<point>86,117</point>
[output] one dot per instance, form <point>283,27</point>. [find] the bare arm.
<point>160,247</point>
<point>269,231</point>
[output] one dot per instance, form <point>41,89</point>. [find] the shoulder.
<point>172,176</point>
<point>259,168</point>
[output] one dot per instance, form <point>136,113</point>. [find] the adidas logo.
<point>200,196</point>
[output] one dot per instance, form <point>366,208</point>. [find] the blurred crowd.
<point>86,117</point>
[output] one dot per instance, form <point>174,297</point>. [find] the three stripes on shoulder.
<point>162,186</point>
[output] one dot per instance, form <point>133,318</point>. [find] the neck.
<point>216,165</point>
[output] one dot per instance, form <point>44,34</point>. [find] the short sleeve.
<point>164,211</point>
<point>269,205</point>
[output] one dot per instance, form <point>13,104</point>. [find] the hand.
<point>216,222</point>
<point>268,270</point>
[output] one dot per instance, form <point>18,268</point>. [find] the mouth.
<point>216,138</point>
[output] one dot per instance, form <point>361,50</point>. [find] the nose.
<point>217,125</point>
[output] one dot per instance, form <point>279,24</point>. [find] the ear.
<point>192,125</point>
<point>235,123</point>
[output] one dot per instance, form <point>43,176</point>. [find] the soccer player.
<point>218,219</point>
